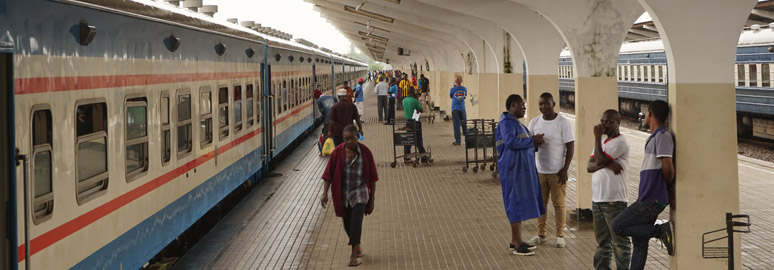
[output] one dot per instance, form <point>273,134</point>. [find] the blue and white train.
<point>642,78</point>
<point>123,122</point>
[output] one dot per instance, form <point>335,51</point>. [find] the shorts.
<point>359,106</point>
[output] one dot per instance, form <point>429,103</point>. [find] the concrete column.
<point>510,83</point>
<point>703,117</point>
<point>472,102</point>
<point>489,101</point>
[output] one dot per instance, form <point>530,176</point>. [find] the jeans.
<point>391,111</point>
<point>638,221</point>
<point>353,223</point>
<point>549,185</point>
<point>381,107</point>
<point>609,243</point>
<point>407,148</point>
<point>459,118</point>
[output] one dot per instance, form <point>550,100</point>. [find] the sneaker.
<point>560,242</point>
<point>667,238</point>
<point>455,143</point>
<point>530,247</point>
<point>537,240</point>
<point>523,250</point>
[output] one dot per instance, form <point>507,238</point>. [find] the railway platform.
<point>431,217</point>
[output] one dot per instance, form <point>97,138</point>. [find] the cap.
<point>341,92</point>
<point>360,80</point>
<point>317,93</point>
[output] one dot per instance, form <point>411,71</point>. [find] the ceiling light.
<point>369,14</point>
<point>375,37</point>
<point>368,26</point>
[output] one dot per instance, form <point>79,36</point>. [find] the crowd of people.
<point>533,163</point>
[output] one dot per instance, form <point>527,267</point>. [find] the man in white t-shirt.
<point>609,162</point>
<point>553,159</point>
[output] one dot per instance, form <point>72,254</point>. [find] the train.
<point>642,78</point>
<point>124,122</point>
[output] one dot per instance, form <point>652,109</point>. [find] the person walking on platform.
<point>609,163</point>
<point>359,98</point>
<point>343,114</point>
<point>457,95</point>
<point>382,91</point>
<point>553,160</point>
<point>351,177</point>
<point>410,103</point>
<point>424,86</point>
<point>325,104</point>
<point>391,111</point>
<point>518,174</point>
<point>350,93</point>
<point>656,179</point>
<point>404,86</point>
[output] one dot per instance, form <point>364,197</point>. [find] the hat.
<point>341,92</point>
<point>317,93</point>
<point>360,80</point>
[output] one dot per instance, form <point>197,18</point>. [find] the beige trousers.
<point>549,185</point>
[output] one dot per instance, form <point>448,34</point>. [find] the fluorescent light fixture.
<point>393,1</point>
<point>374,41</point>
<point>375,37</point>
<point>369,14</point>
<point>373,27</point>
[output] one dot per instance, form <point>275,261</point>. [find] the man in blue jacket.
<point>457,95</point>
<point>518,175</point>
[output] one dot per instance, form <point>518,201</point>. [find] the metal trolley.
<point>481,139</point>
<point>401,136</point>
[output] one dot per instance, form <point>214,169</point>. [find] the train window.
<point>91,151</point>
<point>284,95</point>
<point>136,140</point>
<point>619,70</point>
<point>259,102</point>
<point>765,76</point>
<point>740,75</point>
<point>184,126</point>
<point>661,74</point>
<point>166,148</point>
<point>237,109</point>
<point>223,112</point>
<point>41,166</point>
<point>653,73</point>
<point>625,73</point>
<point>205,118</point>
<point>249,105</point>
<point>278,109</point>
<point>753,74</point>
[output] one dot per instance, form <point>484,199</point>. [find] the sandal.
<point>361,253</point>
<point>354,263</point>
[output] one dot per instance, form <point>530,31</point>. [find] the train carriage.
<point>136,118</point>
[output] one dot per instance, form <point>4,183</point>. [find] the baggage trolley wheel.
<point>475,169</point>
<point>416,164</point>
<point>494,175</point>
<point>392,165</point>
<point>465,169</point>
<point>483,167</point>
<point>491,167</point>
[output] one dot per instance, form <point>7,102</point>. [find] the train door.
<point>314,87</point>
<point>268,114</point>
<point>6,162</point>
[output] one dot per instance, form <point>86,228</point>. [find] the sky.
<point>295,17</point>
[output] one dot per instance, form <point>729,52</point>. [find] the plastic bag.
<point>327,148</point>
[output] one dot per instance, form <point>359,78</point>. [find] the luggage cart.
<point>401,137</point>
<point>481,139</point>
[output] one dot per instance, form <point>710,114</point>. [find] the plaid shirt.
<point>354,186</point>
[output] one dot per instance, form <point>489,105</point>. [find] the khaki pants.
<point>549,185</point>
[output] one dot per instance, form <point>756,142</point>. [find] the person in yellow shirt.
<point>404,85</point>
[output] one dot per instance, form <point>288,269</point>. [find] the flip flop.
<point>358,262</point>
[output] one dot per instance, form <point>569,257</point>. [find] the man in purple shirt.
<point>656,178</point>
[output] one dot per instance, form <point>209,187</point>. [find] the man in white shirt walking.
<point>553,160</point>
<point>609,162</point>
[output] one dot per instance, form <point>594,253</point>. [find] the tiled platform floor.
<point>434,217</point>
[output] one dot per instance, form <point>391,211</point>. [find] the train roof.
<point>167,13</point>
<point>746,39</point>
